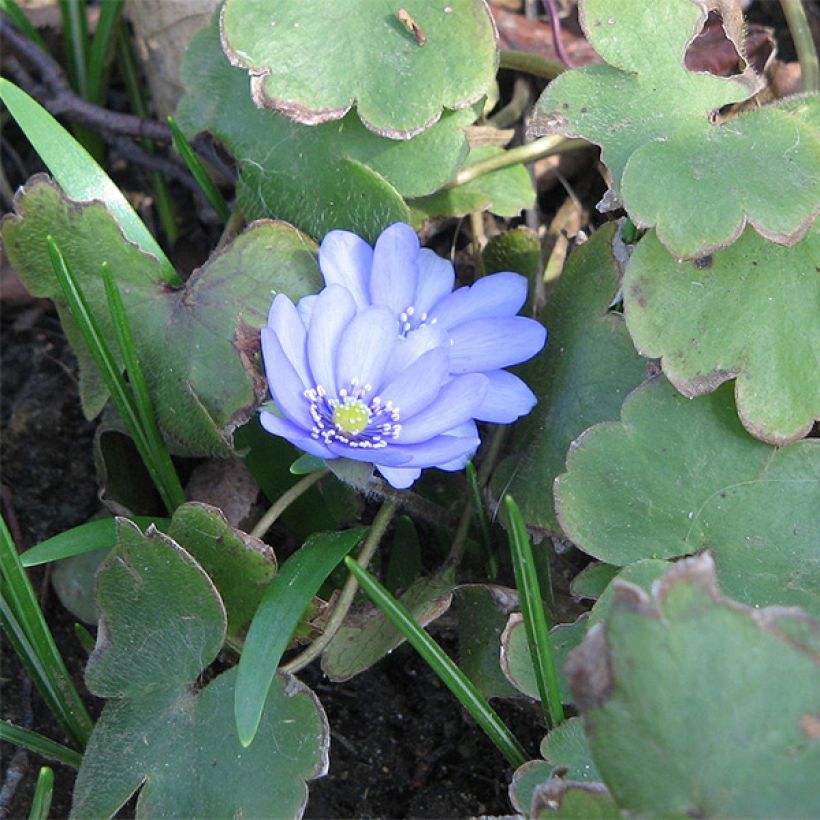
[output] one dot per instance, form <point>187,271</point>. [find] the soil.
<point>400,747</point>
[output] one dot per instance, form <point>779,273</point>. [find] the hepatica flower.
<point>391,366</point>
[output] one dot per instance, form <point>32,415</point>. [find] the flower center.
<point>352,416</point>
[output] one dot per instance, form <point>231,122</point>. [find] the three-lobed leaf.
<point>313,61</point>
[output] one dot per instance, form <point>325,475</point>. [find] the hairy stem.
<point>284,501</point>
<point>377,530</point>
<point>530,64</point>
<point>803,43</point>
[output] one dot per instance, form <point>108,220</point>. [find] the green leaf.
<point>749,311</point>
<point>162,623</point>
<point>583,375</point>
<point>278,615</point>
<point>565,798</point>
<point>337,175</point>
<point>240,565</point>
<point>39,744</point>
<point>79,175</point>
<point>43,793</point>
<point>653,120</point>
<point>483,610</point>
<point>505,192</point>
<point>677,475</point>
<point>696,705</point>
<point>517,250</point>
<point>74,580</point>
<point>567,747</point>
<point>591,581</point>
<point>182,336</point>
<point>314,61</point>
<point>367,634</point>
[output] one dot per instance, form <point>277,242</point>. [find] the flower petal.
<point>490,344</point>
<point>284,383</point>
<point>394,274</point>
<point>415,344</point>
<point>501,294</point>
<point>365,348</point>
<point>332,312</point>
<point>295,435</point>
<point>345,260</point>
<point>416,386</point>
<point>398,477</point>
<point>390,456</point>
<point>507,399</point>
<point>456,403</point>
<point>438,451</point>
<point>305,308</point>
<point>436,280</point>
<point>285,322</point>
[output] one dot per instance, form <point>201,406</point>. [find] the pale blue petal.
<point>507,399</point>
<point>389,456</point>
<point>415,344</point>
<point>501,294</point>
<point>345,260</point>
<point>490,344</point>
<point>416,386</point>
<point>436,280</point>
<point>365,348</point>
<point>398,477</point>
<point>305,308</point>
<point>463,431</point>
<point>295,435</point>
<point>441,450</point>
<point>395,272</point>
<point>284,383</point>
<point>285,322</point>
<point>332,313</point>
<point>455,404</point>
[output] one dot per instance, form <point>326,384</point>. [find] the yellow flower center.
<point>351,417</point>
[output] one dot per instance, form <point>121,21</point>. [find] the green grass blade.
<point>22,611</point>
<point>93,535</point>
<point>535,619</point>
<point>34,742</point>
<point>166,209</point>
<point>85,638</point>
<point>43,792</point>
<point>17,17</point>
<point>452,677</point>
<point>102,49</point>
<point>160,457</point>
<point>121,393</point>
<point>76,171</point>
<point>75,34</point>
<point>278,615</point>
<point>490,561</point>
<point>197,169</point>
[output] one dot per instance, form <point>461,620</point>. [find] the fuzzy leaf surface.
<point>313,61</point>
<point>677,475</point>
<point>653,119</point>
<point>695,705</point>
<point>183,336</point>
<point>582,376</point>
<point>749,311</point>
<point>162,622</point>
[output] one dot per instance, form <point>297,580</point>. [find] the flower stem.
<point>284,501</point>
<point>803,43</point>
<point>377,530</point>
<point>523,154</point>
<point>530,64</point>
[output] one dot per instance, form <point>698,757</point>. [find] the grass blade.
<point>75,34</point>
<point>93,535</point>
<point>452,677</point>
<point>102,49</point>
<point>21,615</point>
<point>17,17</point>
<point>490,562</point>
<point>197,169</point>
<point>535,619</point>
<point>279,613</point>
<point>37,743</point>
<point>76,171</point>
<point>43,792</point>
<point>161,459</point>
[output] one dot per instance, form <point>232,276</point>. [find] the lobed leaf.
<point>748,312</point>
<point>653,119</point>
<point>313,61</point>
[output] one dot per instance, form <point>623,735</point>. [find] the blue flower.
<point>389,365</point>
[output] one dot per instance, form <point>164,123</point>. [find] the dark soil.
<point>401,746</point>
